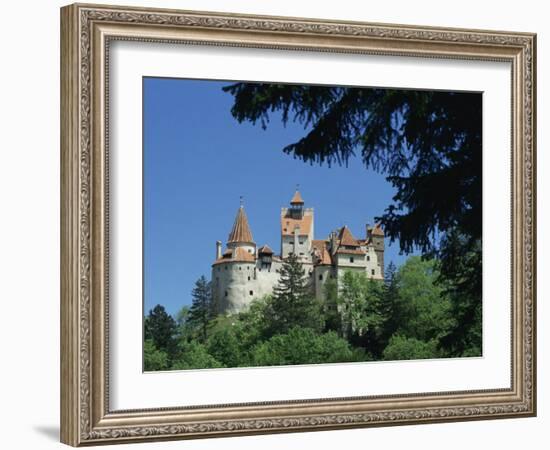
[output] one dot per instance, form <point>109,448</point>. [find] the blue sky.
<point>198,161</point>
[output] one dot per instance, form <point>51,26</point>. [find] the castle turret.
<point>233,271</point>
<point>376,236</point>
<point>240,235</point>
<point>297,229</point>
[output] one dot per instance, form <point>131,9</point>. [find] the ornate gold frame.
<point>86,31</point>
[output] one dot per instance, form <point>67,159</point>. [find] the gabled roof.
<point>346,238</point>
<point>320,249</point>
<point>241,230</point>
<point>265,250</point>
<point>297,199</point>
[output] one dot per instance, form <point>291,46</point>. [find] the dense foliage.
<point>409,315</point>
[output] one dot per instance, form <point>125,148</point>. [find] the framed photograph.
<point>276,224</point>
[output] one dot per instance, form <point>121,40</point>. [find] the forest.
<point>410,315</point>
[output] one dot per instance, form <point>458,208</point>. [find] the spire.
<point>297,198</point>
<point>241,230</point>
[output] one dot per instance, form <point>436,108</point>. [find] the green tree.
<point>293,304</point>
<point>461,281</point>
<point>425,309</point>
<point>401,347</point>
<point>359,303</point>
<point>160,328</point>
<point>224,344</point>
<point>153,358</point>
<point>332,317</point>
<point>304,346</point>
<point>202,309</point>
<point>182,316</point>
<point>392,308</point>
<point>253,325</point>
<point>184,329</point>
<point>194,355</point>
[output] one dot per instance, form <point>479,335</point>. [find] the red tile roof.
<point>297,199</point>
<point>350,251</point>
<point>241,230</point>
<point>238,254</point>
<point>321,250</point>
<point>346,238</point>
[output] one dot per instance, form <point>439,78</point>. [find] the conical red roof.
<point>297,199</point>
<point>241,230</point>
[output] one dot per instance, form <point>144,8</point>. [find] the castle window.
<point>301,242</point>
<point>240,268</point>
<point>251,292</point>
<point>321,277</point>
<point>372,271</point>
<point>249,251</point>
<point>351,259</point>
<point>248,278</point>
<point>368,258</point>
<point>225,267</point>
<point>301,254</point>
<point>226,293</point>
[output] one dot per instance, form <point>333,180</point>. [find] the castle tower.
<point>376,236</point>
<point>234,270</point>
<point>297,229</point>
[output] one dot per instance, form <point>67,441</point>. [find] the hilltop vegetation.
<point>410,315</point>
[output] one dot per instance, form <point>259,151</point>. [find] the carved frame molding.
<point>86,31</point>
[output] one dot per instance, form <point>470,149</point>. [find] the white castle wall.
<point>231,285</point>
<point>236,284</point>
<point>320,276</point>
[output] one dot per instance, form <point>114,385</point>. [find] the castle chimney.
<point>218,249</point>
<point>333,242</point>
<point>368,231</point>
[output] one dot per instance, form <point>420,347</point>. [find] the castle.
<point>244,272</point>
